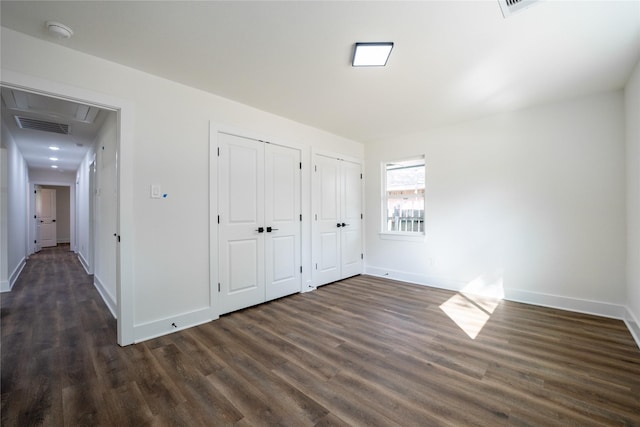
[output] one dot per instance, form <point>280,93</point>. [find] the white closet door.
<point>282,221</point>
<point>326,236</point>
<point>351,219</point>
<point>241,210</point>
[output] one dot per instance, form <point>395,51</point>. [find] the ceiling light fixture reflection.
<point>54,166</point>
<point>371,54</point>
<point>54,148</point>
<point>53,159</point>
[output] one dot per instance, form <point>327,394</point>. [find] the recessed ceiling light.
<point>54,166</point>
<point>59,30</point>
<point>53,158</point>
<point>54,148</point>
<point>371,54</point>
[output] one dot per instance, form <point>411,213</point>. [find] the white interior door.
<point>46,230</point>
<point>282,221</point>
<point>337,231</point>
<point>351,212</point>
<point>326,237</point>
<point>241,222</point>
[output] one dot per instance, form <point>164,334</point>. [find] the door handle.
<point>338,225</point>
<point>269,229</point>
<point>344,225</point>
<point>41,221</point>
<point>53,220</point>
<point>260,229</point>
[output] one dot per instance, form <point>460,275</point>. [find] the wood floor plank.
<point>365,351</point>
<point>208,405</point>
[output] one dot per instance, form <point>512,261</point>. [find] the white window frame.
<point>397,235</point>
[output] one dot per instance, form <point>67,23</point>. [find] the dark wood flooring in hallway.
<point>364,351</point>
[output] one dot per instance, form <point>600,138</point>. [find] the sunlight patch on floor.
<point>472,307</point>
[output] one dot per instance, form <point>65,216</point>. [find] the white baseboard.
<point>167,325</point>
<point>108,299</point>
<point>632,323</point>
<point>7,285</point>
<point>597,308</point>
<point>417,279</point>
<point>60,241</point>
<point>84,263</point>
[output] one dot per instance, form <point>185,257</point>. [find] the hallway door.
<point>46,217</point>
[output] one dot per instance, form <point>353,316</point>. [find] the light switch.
<point>156,191</point>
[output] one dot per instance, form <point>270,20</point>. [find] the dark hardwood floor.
<point>364,351</point>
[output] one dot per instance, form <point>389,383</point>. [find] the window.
<point>403,196</point>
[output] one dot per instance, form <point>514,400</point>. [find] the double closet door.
<point>337,227</point>
<point>259,224</point>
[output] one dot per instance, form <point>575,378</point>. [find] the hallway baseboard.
<point>7,285</point>
<point>109,301</point>
<point>84,263</point>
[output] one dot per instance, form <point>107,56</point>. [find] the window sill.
<point>409,237</point>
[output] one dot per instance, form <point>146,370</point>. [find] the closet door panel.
<point>282,221</point>
<point>351,210</point>
<point>241,209</point>
<point>326,235</point>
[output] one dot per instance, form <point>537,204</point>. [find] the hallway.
<point>52,322</point>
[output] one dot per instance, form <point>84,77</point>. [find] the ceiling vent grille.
<point>509,7</point>
<point>41,125</point>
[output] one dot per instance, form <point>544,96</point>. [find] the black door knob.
<point>338,225</point>
<point>260,229</point>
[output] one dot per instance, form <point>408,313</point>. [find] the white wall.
<point>16,212</point>
<point>83,212</point>
<point>51,177</point>
<point>105,212</point>
<point>632,109</point>
<point>532,201</point>
<point>168,262</point>
<point>4,242</point>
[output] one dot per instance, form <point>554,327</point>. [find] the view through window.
<point>404,195</point>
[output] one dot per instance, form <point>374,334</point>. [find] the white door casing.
<point>259,227</point>
<point>37,247</point>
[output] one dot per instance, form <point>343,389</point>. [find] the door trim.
<point>124,110</point>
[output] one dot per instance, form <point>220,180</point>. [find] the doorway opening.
<point>79,165</point>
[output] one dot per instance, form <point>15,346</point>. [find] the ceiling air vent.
<point>509,7</point>
<point>34,124</point>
